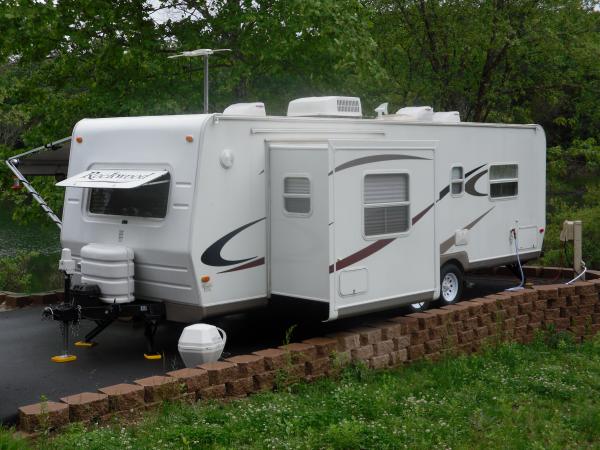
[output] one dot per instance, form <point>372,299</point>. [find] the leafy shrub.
<point>15,275</point>
<point>573,188</point>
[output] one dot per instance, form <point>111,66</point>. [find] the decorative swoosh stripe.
<point>255,263</point>
<point>361,254</point>
<point>470,172</point>
<point>371,248</point>
<point>212,255</point>
<point>476,221</point>
<point>421,214</point>
<point>448,243</point>
<point>372,159</point>
<point>470,185</point>
<point>446,190</point>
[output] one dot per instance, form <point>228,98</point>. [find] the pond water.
<point>43,238</point>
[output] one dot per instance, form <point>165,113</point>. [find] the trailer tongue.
<point>106,293</point>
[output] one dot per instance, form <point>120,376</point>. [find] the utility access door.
<point>298,220</point>
<point>384,227</point>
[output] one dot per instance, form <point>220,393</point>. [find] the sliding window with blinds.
<point>386,204</point>
<point>504,180</point>
<point>296,195</point>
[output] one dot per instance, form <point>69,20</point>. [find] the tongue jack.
<point>66,312</point>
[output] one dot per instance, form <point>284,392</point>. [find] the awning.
<point>50,159</point>
<point>112,178</point>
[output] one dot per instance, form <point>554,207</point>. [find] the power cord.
<point>516,239</point>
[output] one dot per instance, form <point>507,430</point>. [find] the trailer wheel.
<point>451,284</point>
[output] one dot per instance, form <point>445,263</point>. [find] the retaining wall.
<point>451,330</point>
<point>14,300</point>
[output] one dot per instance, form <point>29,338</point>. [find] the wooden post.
<point>577,251</point>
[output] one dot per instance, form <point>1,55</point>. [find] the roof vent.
<point>414,114</point>
<point>246,109</point>
<point>446,116</point>
<point>331,106</point>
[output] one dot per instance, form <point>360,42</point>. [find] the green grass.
<point>545,395</point>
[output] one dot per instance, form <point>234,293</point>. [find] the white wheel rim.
<point>418,306</point>
<point>449,287</point>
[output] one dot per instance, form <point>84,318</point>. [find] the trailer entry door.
<point>298,209</point>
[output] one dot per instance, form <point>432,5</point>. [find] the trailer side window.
<point>386,206</point>
<point>504,180</point>
<point>296,195</point>
<point>457,180</point>
<point>148,200</point>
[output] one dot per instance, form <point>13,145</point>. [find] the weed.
<point>284,377</point>
<point>356,371</point>
<point>339,361</point>
<point>44,415</point>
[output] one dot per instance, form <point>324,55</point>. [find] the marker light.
<point>79,139</point>
<point>205,278</point>
<point>189,138</point>
<point>16,185</point>
<point>541,230</point>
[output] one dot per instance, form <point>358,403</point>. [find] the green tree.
<point>64,60</point>
<point>498,60</point>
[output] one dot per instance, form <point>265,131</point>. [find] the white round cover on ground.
<point>201,343</point>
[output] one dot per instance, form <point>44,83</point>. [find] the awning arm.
<point>12,165</point>
<point>49,146</point>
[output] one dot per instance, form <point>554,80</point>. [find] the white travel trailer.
<point>213,214</point>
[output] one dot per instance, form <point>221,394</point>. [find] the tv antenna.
<point>204,52</point>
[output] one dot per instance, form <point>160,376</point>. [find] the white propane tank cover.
<point>201,343</point>
<point>331,106</point>
<point>246,109</point>
<point>414,114</point>
<point>111,268</point>
<point>446,116</point>
<point>107,252</point>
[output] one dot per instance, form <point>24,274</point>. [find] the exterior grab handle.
<point>223,335</point>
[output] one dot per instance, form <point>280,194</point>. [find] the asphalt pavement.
<point>27,343</point>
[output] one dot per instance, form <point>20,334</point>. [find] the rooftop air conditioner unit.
<point>332,106</point>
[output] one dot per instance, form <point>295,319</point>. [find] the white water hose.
<point>520,286</point>
<point>580,275</point>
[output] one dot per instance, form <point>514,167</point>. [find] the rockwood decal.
<point>115,176</point>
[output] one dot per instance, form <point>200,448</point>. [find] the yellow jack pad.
<point>153,357</point>
<point>85,344</point>
<point>63,358</point>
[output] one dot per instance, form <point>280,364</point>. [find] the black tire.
<point>452,282</point>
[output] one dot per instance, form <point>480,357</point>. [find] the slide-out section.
<point>384,225</point>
